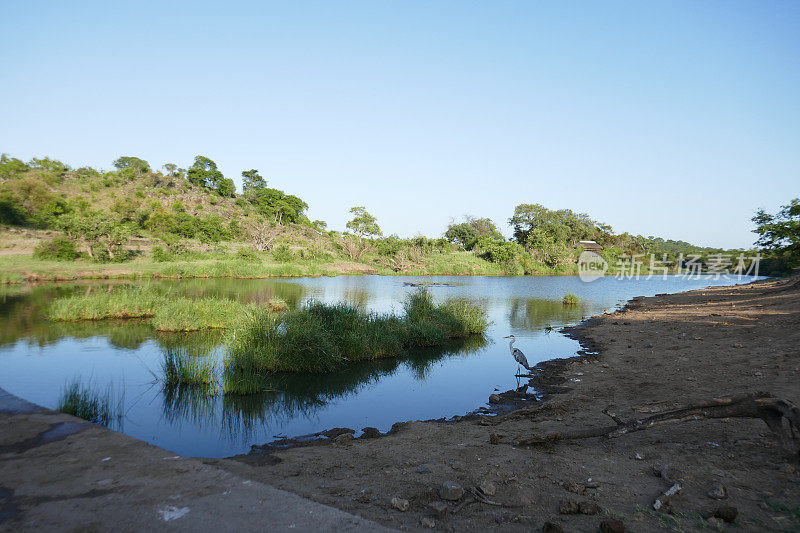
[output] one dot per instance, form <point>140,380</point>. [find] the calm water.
<point>37,358</point>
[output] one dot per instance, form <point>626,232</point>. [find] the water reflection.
<point>536,313</point>
<point>37,356</point>
<point>289,395</point>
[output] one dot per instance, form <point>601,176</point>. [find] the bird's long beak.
<point>507,337</point>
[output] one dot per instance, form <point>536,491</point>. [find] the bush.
<point>160,255</point>
<point>570,299</point>
<point>11,212</point>
<point>247,254</point>
<point>56,249</point>
<point>282,253</point>
<point>321,337</point>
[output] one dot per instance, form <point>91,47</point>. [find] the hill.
<point>57,222</point>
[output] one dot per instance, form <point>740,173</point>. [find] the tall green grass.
<point>180,367</point>
<point>84,402</point>
<point>168,312</point>
<point>321,337</point>
<point>97,305</point>
<point>570,299</point>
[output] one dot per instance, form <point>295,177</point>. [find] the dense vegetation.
<point>83,401</point>
<point>270,338</point>
<point>165,310</point>
<point>321,338</point>
<point>191,222</point>
<point>779,235</point>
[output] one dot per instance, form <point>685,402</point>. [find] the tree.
<point>139,165</point>
<point>11,166</point>
<point>227,188</point>
<point>204,173</point>
<point>780,232</point>
<point>51,165</point>
<point>252,182</point>
<point>104,235</point>
<point>533,222</point>
<point>468,232</point>
<point>173,171</point>
<point>363,224</point>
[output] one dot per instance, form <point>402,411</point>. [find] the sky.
<point>667,118</point>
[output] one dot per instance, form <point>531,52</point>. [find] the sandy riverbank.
<point>658,353</point>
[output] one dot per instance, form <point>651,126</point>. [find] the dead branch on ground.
<point>781,416</point>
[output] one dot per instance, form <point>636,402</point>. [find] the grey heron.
<point>517,354</point>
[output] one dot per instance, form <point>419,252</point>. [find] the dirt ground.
<point>656,354</point>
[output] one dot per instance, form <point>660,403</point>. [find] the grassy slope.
<point>313,253</point>
<point>20,267</point>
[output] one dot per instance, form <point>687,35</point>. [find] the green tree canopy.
<point>363,223</point>
<point>139,165</point>
<point>534,224</point>
<point>252,182</point>
<point>204,173</point>
<point>226,187</point>
<point>53,166</point>
<point>468,232</point>
<point>11,166</point>
<point>780,232</point>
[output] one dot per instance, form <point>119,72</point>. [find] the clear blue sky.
<point>670,118</point>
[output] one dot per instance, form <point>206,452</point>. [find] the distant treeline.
<point>99,212</point>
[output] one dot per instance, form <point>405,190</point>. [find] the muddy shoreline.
<point>546,380</point>
<point>652,355</point>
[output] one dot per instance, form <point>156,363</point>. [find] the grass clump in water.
<point>169,312</point>
<point>182,368</point>
<point>322,337</point>
<point>570,299</point>
<point>98,305</point>
<point>84,402</point>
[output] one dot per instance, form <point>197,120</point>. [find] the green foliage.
<point>468,232</point>
<point>139,166</point>
<point>11,212</point>
<point>515,259</point>
<point>570,299</point>
<point>280,207</point>
<point>173,171</point>
<point>321,337</point>
<point>86,403</point>
<point>52,166</point>
<point>211,229</point>
<point>30,201</point>
<point>127,209</point>
<point>11,166</point>
<point>160,255</point>
<point>282,253</point>
<point>252,182</point>
<point>551,235</point>
<point>56,249</point>
<point>182,368</point>
<point>247,254</point>
<point>780,233</point>
<point>168,312</point>
<point>389,246</point>
<point>105,234</point>
<point>226,188</point>
<point>204,173</point>
<point>363,223</point>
